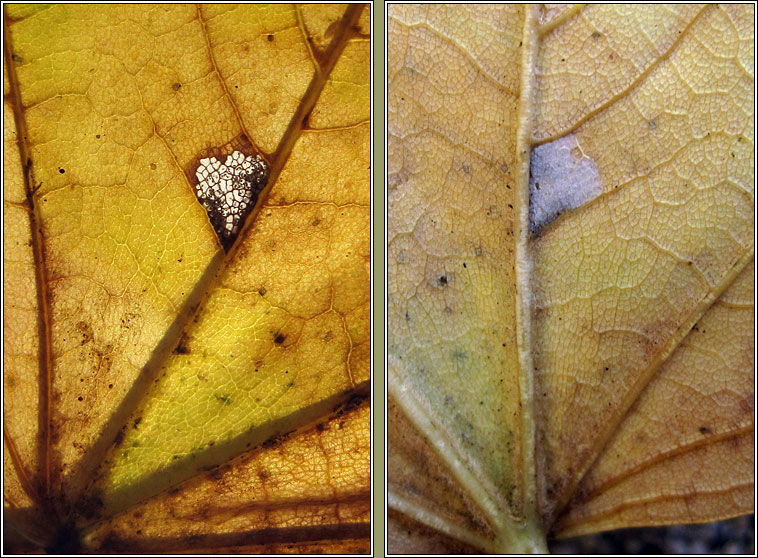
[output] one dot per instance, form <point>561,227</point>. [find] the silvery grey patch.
<point>561,178</point>
<point>229,190</point>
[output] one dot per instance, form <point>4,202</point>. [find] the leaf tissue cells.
<point>561,178</point>
<point>229,190</point>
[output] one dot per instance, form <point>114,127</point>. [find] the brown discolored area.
<point>119,438</point>
<point>85,330</point>
<point>182,348</point>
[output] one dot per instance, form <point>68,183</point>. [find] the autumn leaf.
<point>169,384</point>
<point>570,280</point>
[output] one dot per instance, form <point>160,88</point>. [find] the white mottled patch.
<point>230,189</point>
<point>561,178</point>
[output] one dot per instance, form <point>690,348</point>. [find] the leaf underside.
<point>570,252</point>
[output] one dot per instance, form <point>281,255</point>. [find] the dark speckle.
<point>272,442</point>
<point>183,347</point>
<point>704,430</point>
<point>279,339</point>
<point>62,171</point>
<point>176,86</point>
<point>270,38</point>
<point>86,332</point>
<point>596,35</point>
<point>459,354</point>
<point>442,281</point>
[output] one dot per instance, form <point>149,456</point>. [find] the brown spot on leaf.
<point>86,331</point>
<point>182,347</point>
<point>272,442</point>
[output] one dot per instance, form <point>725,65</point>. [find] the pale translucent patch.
<point>229,190</point>
<point>561,178</point>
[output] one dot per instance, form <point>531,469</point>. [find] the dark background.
<point>733,536</point>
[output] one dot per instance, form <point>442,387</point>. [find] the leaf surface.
<point>571,203</point>
<point>154,355</point>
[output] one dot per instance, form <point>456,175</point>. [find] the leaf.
<point>570,251</point>
<point>164,393</point>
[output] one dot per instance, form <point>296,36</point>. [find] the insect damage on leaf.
<point>561,178</point>
<point>229,190</point>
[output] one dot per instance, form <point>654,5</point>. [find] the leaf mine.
<point>561,178</point>
<point>229,190</point>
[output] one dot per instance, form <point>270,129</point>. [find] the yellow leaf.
<point>139,351</point>
<point>570,193</point>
